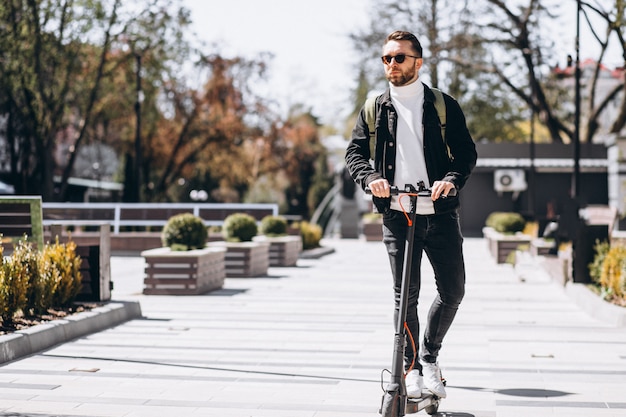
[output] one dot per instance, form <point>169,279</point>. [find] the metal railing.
<point>145,214</point>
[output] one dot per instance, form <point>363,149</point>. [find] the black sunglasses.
<point>399,58</point>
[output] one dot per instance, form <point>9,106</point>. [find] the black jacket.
<point>455,169</point>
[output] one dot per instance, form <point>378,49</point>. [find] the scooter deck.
<point>427,402</point>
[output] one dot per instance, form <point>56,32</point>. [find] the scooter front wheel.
<point>392,405</point>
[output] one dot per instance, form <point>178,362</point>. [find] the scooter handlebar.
<point>394,190</point>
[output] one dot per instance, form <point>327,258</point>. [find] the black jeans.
<point>439,236</point>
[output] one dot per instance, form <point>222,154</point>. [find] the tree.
<point>447,32</point>
<point>156,49</point>
<point>615,19</point>
<point>83,76</point>
<point>521,49</point>
<point>49,82</point>
<point>209,129</point>
<point>303,161</point>
<point>62,69</point>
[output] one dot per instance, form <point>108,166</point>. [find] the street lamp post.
<point>576,176</point>
<point>136,197</point>
<point>531,195</point>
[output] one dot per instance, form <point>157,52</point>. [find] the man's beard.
<point>403,78</point>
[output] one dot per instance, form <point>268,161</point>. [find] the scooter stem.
<point>395,398</point>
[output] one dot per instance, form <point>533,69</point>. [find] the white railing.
<point>145,214</point>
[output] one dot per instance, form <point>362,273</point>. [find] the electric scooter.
<point>395,402</point>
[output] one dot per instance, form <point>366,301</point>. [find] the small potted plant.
<point>503,232</point>
<point>284,248</point>
<point>184,265</point>
<point>372,227</point>
<point>244,257</point>
<point>215,234</point>
<point>311,235</point>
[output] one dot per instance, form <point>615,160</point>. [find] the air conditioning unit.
<point>509,180</point>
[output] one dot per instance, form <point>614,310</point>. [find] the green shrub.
<point>613,276</point>
<point>274,226</point>
<point>34,281</point>
<point>63,258</point>
<point>506,222</point>
<point>311,235</point>
<point>28,261</point>
<point>184,232</point>
<point>601,250</point>
<point>608,271</point>
<point>215,229</point>
<point>239,227</point>
<point>14,280</point>
<point>42,296</point>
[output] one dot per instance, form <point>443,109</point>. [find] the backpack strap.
<point>440,106</point>
<point>370,118</point>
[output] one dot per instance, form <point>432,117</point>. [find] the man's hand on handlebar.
<point>380,188</point>
<point>442,189</point>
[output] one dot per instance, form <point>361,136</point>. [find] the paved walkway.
<point>311,341</point>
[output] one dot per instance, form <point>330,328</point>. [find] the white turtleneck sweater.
<point>410,163</point>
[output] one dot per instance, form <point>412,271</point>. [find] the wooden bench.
<point>19,216</point>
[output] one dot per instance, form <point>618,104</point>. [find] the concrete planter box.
<point>284,250</point>
<point>541,247</point>
<point>373,231</point>
<point>501,245</point>
<point>245,259</point>
<point>184,272</point>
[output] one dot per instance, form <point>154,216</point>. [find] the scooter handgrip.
<point>451,193</point>
<point>393,190</point>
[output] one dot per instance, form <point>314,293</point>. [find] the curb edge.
<point>46,335</point>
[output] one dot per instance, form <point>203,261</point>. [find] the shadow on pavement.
<point>521,392</point>
<point>226,292</point>
<point>533,392</point>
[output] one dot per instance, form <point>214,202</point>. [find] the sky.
<point>313,55</point>
<point>313,61</point>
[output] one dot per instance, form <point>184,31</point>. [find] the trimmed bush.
<point>311,235</point>
<point>601,250</point>
<point>45,285</point>
<point>14,279</point>
<point>239,227</point>
<point>274,226</point>
<point>32,281</point>
<point>613,276</point>
<point>64,259</point>
<point>184,232</point>
<point>40,292</point>
<point>506,222</point>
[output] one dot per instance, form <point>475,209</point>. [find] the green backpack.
<point>370,117</point>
